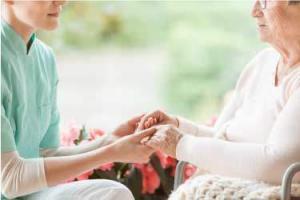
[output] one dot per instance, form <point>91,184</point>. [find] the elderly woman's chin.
<point>264,35</point>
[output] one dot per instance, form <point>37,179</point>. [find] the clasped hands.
<point>167,134</point>
<point>141,136</point>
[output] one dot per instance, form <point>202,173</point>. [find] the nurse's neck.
<point>19,27</point>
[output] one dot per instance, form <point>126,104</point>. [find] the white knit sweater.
<point>261,127</point>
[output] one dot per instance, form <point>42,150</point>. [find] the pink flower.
<point>95,133</point>
<point>212,121</point>
<point>85,175</point>
<point>189,170</point>
<point>70,134</point>
<point>84,142</point>
<point>150,178</point>
<point>167,162</point>
<point>106,167</point>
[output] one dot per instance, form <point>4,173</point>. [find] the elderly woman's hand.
<point>165,139</point>
<point>157,117</point>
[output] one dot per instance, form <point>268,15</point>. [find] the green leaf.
<point>111,175</point>
<point>165,180</point>
<point>135,183</point>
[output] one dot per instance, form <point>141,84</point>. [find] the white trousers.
<point>84,190</point>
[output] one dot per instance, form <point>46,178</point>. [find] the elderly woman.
<point>260,126</point>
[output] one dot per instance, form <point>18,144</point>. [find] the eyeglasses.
<point>263,4</point>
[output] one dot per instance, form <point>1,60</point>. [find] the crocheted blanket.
<point>209,187</point>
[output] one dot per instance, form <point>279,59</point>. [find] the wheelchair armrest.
<point>286,183</point>
<point>179,174</point>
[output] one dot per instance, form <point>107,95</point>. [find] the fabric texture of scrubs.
<point>29,114</point>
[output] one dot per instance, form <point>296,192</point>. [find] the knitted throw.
<point>209,187</point>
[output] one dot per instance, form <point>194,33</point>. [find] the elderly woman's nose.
<point>256,10</point>
<point>59,2</point>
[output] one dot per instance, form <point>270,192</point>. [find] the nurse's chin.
<point>50,26</point>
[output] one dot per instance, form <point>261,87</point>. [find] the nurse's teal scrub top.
<point>29,114</point>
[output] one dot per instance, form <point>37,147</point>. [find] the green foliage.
<point>207,42</point>
<point>96,24</point>
<point>208,45</point>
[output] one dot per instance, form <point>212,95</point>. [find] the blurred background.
<point>120,59</point>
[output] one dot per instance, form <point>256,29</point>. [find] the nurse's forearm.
<point>59,169</point>
<point>21,176</point>
<point>82,148</point>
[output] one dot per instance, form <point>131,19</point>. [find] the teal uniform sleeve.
<point>52,136</point>
<point>7,136</point>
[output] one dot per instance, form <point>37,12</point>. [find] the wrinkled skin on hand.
<point>165,139</point>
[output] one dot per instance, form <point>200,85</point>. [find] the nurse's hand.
<point>130,149</point>
<point>155,118</point>
<point>126,128</point>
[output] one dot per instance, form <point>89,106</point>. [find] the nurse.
<point>33,164</point>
